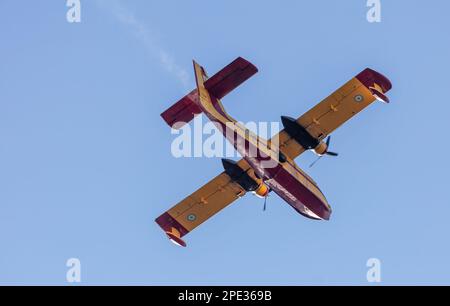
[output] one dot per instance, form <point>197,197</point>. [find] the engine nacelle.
<point>262,191</point>
<point>302,137</point>
<point>239,176</point>
<point>299,133</point>
<point>321,149</point>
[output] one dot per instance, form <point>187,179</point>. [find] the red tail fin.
<point>219,85</point>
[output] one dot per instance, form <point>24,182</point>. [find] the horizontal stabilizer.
<point>230,77</point>
<point>219,85</point>
<point>183,111</point>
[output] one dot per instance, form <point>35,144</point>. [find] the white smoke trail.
<point>144,34</point>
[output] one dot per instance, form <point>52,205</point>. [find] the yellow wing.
<point>336,109</point>
<point>199,207</point>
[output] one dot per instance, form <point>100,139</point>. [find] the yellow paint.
<point>262,190</point>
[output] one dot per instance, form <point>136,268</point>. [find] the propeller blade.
<point>315,161</point>
<point>329,153</point>
<point>328,146</point>
<point>265,203</point>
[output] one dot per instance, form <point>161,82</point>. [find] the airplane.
<point>272,168</point>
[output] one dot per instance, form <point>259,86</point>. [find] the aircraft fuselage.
<point>281,175</point>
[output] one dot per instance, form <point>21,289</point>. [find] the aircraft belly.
<point>298,195</point>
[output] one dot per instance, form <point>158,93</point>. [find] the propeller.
<point>328,145</point>
<point>315,161</point>
<point>329,153</point>
<point>265,202</point>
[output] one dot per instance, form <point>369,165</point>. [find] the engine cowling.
<point>239,176</point>
<point>321,149</point>
<point>248,180</point>
<point>262,191</point>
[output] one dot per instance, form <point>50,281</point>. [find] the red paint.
<point>183,111</point>
<point>219,85</point>
<point>166,222</point>
<point>369,77</point>
<point>230,77</point>
<point>298,195</point>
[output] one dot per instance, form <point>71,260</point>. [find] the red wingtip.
<point>173,229</point>
<point>377,83</point>
<point>371,77</point>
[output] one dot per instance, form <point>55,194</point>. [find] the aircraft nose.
<point>327,214</point>
<point>319,212</point>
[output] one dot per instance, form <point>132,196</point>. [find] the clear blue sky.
<point>85,163</point>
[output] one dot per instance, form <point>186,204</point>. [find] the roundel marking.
<point>359,98</point>
<point>191,217</point>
